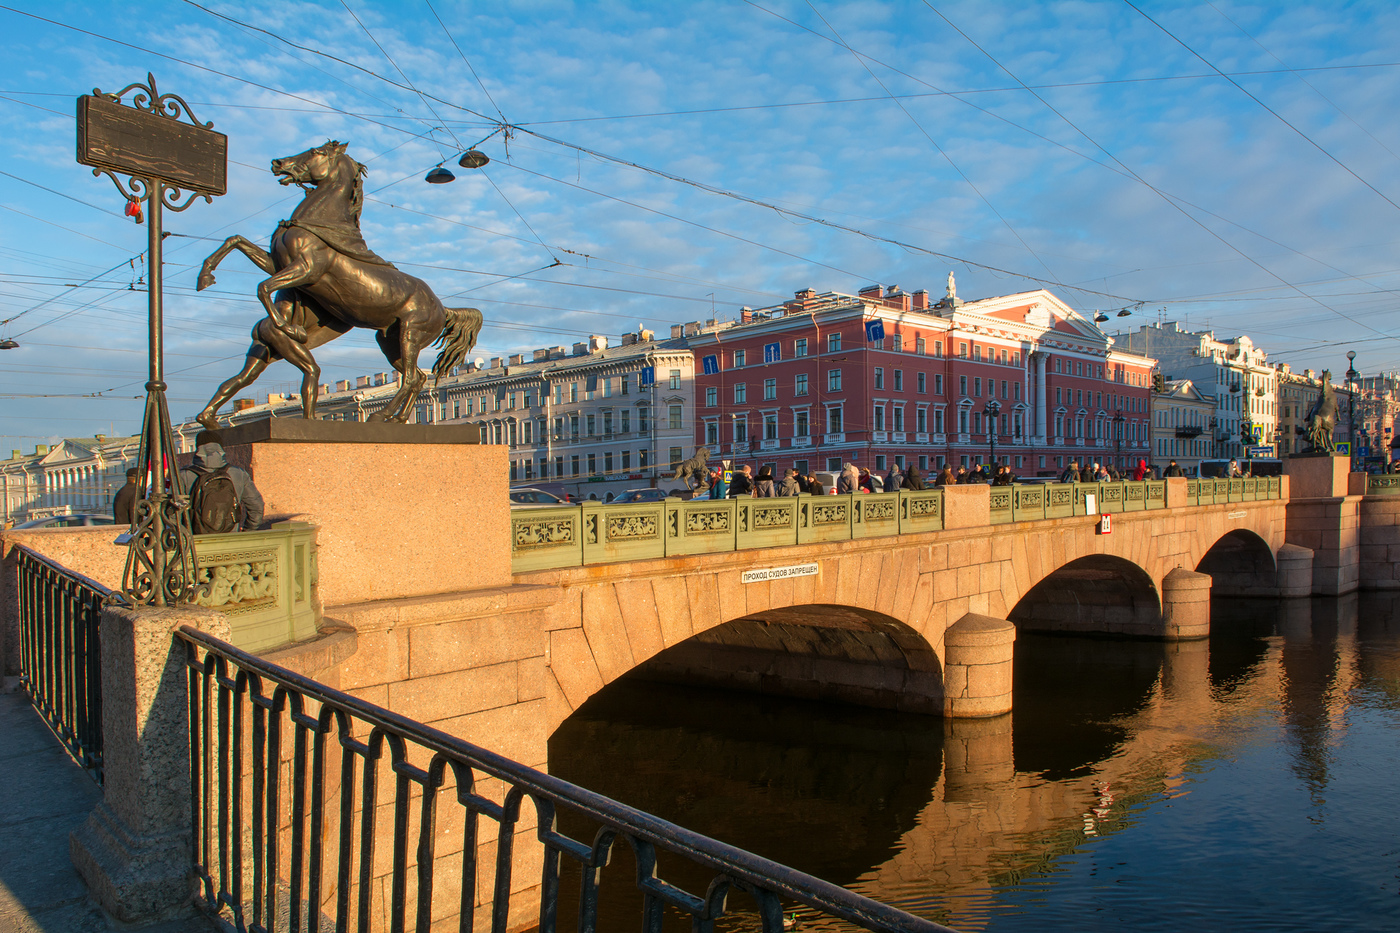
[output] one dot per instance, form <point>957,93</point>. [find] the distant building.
<point>593,421</point>
<point>886,378</point>
<point>1181,417</point>
<point>1233,371</point>
<point>1377,404</point>
<point>75,475</point>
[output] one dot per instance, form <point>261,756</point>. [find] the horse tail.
<point>457,339</point>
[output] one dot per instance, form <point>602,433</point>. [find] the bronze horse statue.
<point>1323,418</point>
<point>323,280</point>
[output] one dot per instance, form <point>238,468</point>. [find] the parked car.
<point>66,521</point>
<point>530,498</point>
<point>642,495</point>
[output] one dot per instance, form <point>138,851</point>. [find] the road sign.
<point>1364,452</point>
<point>1106,524</point>
<point>1259,451</point>
<point>1344,449</point>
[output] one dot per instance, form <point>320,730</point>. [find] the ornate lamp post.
<point>163,158</point>
<point>1352,376</point>
<point>992,410</point>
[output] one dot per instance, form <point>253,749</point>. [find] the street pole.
<point>1351,407</point>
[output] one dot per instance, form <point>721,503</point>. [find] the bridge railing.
<point>1383,484</point>
<point>60,615</point>
<point>260,734</point>
<point>599,532</point>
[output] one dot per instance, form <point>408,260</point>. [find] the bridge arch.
<point>818,651</point>
<point>1240,563</point>
<point>1100,593</point>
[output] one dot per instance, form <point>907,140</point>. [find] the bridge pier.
<point>977,667</point>
<point>1324,517</point>
<point>1185,605</point>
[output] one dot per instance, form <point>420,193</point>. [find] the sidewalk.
<point>44,795</point>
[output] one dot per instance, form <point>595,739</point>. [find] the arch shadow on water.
<point>1099,594</point>
<point>1240,564</point>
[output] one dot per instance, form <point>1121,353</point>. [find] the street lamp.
<point>992,410</point>
<point>1352,375</point>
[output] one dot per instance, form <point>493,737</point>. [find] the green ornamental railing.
<point>599,533</point>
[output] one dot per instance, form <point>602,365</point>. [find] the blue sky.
<point>1220,163</point>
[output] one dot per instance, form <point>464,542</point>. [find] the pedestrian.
<point>1071,473</point>
<point>789,486</point>
<point>912,479</point>
<point>1003,476</point>
<point>894,480</point>
<point>849,480</point>
<point>1173,470</point>
<point>946,477</point>
<point>222,497</point>
<point>741,483</point>
<point>814,486</point>
<point>866,483</point>
<point>764,487</point>
<point>961,476</point>
<point>1086,473</point>
<point>719,489</point>
<point>1140,471</point>
<point>1235,469</point>
<point>124,502</point>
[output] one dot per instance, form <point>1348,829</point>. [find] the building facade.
<point>885,378</point>
<point>590,422</point>
<point>75,475</point>
<point>1234,372</point>
<point>1181,425</point>
<point>1377,404</point>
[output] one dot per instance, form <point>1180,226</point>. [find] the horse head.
<point>327,162</point>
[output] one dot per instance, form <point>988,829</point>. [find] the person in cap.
<point>222,497</point>
<point>124,502</point>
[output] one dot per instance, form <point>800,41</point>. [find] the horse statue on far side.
<point>697,467</point>
<point>1323,418</point>
<point>323,280</point>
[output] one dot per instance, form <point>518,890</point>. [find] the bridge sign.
<point>780,573</point>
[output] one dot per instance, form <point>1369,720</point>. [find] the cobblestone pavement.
<point>44,795</point>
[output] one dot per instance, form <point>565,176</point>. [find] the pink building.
<point>886,378</point>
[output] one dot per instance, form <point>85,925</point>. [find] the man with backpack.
<point>222,497</point>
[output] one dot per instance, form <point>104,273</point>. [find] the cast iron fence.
<point>60,613</point>
<point>270,865</point>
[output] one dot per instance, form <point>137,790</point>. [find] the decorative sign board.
<point>779,573</point>
<point>1105,524</point>
<point>123,139</point>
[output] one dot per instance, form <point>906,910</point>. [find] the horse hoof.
<point>209,420</point>
<point>205,280</point>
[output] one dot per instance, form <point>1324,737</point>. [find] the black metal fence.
<point>60,613</point>
<point>289,819</point>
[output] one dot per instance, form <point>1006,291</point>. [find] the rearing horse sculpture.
<point>323,280</point>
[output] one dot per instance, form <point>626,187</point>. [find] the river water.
<point>1246,783</point>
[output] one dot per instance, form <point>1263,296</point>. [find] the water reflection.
<point>1136,783</point>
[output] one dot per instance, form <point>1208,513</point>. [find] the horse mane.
<point>357,192</point>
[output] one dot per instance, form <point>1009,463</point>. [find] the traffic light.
<point>1159,382</point>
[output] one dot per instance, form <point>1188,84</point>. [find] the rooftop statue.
<point>323,280</point>
<point>1322,419</point>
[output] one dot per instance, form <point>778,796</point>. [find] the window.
<point>711,396</point>
<point>558,429</point>
<point>675,381</point>
<point>833,380</point>
<point>770,426</point>
<point>1016,391</point>
<point>833,343</point>
<point>674,418</point>
<point>879,377</point>
<point>770,388</point>
<point>573,427</point>
<point>921,421</point>
<point>800,386</point>
<point>922,381</point>
<point>897,343</point>
<point>626,460</point>
<point>558,395</point>
<point>558,467</point>
<point>899,417</point>
<point>833,420</point>
<point>711,434</point>
<point>573,395</point>
<point>607,387</point>
<point>1059,400</point>
<point>937,383</point>
<point>977,353</point>
<point>676,457</point>
<point>741,431</point>
<point>799,347</point>
<point>879,417</point>
<point>607,423</point>
<point>920,347</point>
<point>591,424</point>
<point>962,420</point>
<point>962,350</point>
<point>833,464</point>
<point>879,461</point>
<point>977,387</point>
<point>741,392</point>
<point>938,348</point>
<point>800,466</point>
<point>573,464</point>
<point>899,380</point>
<point>799,424</point>
<point>977,422</point>
<point>938,421</point>
<point>962,386</point>
<point>513,477</point>
<point>739,358</point>
<point>607,462</point>
<point>528,432</point>
<point>626,385</point>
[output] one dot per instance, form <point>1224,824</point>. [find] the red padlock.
<point>133,209</point>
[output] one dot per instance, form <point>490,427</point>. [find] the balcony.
<point>771,443</point>
<point>800,442</point>
<point>741,447</point>
<point>880,437</point>
<point>899,437</point>
<point>1189,430</point>
<point>921,438</point>
<point>834,438</point>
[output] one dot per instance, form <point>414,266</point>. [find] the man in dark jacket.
<point>124,503</point>
<point>1173,470</point>
<point>741,482</point>
<point>209,457</point>
<point>1071,473</point>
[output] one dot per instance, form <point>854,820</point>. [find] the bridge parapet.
<point>597,532</point>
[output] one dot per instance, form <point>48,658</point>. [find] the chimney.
<point>806,293</point>
<point>556,353</point>
<point>580,349</point>
<point>495,363</point>
<point>362,382</point>
<point>343,385</point>
<point>629,339</point>
<point>920,300</point>
<point>274,398</point>
<point>15,454</point>
<point>377,379</point>
<point>645,335</point>
<point>541,354</point>
<point>597,342</point>
<point>872,291</point>
<point>745,314</point>
<point>516,359</point>
<point>243,404</point>
<point>322,390</point>
<point>99,437</point>
<point>677,330</point>
<point>41,449</point>
<point>692,329</point>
